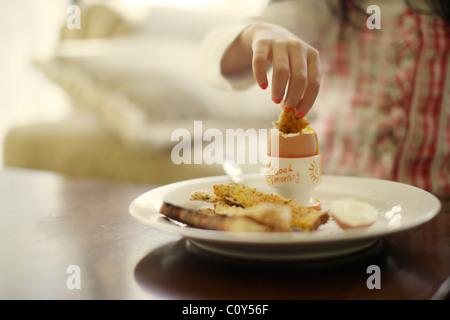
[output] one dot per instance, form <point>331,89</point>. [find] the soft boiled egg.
<point>300,144</point>
<point>292,137</point>
<point>352,213</point>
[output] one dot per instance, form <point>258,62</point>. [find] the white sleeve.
<point>302,17</point>
<point>214,46</point>
<point>305,18</point>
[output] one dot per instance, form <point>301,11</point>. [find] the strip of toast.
<point>276,216</point>
<point>310,221</point>
<point>202,220</point>
<point>244,196</point>
<point>238,207</point>
<point>288,122</point>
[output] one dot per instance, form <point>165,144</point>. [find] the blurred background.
<point>28,28</point>
<point>102,100</point>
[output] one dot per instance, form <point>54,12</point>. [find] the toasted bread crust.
<point>244,196</point>
<point>310,221</point>
<point>238,194</point>
<point>204,195</point>
<point>202,220</point>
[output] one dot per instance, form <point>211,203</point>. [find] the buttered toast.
<point>238,207</point>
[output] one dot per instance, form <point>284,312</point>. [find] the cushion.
<point>80,147</point>
<point>134,89</point>
<point>144,88</point>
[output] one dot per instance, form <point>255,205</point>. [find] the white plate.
<point>400,206</point>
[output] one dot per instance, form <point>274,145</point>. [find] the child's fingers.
<point>281,70</point>
<point>296,66</point>
<point>298,76</point>
<point>261,51</point>
<point>312,83</point>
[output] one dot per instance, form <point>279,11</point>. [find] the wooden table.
<point>57,233</point>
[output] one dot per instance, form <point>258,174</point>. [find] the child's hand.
<point>296,65</point>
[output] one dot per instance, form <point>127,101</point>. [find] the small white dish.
<point>400,208</point>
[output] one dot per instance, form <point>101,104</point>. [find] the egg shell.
<point>363,215</point>
<point>303,144</point>
<point>345,225</point>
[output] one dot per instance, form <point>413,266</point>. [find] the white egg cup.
<point>295,178</point>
